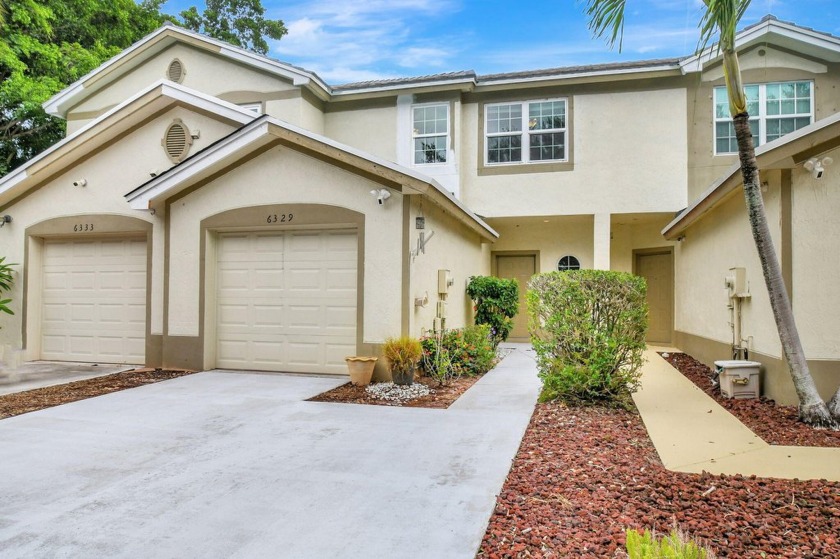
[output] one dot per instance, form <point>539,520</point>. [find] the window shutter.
<point>177,140</point>
<point>175,72</point>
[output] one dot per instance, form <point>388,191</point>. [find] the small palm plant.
<point>403,355</point>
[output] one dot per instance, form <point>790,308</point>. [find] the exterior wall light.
<point>817,166</point>
<point>381,194</point>
<point>5,219</point>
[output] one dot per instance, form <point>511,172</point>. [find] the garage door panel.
<point>297,302</point>
<point>94,301</point>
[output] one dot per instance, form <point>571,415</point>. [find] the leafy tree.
<point>721,18</point>
<point>496,303</point>
<point>239,22</point>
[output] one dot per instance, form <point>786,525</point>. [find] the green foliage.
<point>403,353</point>
<point>496,303</point>
<point>588,330</point>
<point>466,351</point>
<point>239,22</point>
<point>675,545</point>
<point>6,282</point>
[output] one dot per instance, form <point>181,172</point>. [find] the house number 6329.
<point>83,227</point>
<point>279,218</point>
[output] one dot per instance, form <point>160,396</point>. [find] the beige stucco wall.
<point>816,262</point>
<point>560,236</point>
<point>453,247</point>
<point>283,176</point>
<point>704,167</point>
<point>618,142</point>
<point>371,128</point>
<point>110,174</point>
<point>203,73</point>
<point>702,260</point>
<point>635,232</point>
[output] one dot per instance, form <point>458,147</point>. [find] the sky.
<point>347,41</point>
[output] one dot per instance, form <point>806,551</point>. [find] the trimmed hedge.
<point>588,330</point>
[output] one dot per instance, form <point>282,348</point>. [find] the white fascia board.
<point>578,75</point>
<point>684,219</point>
<point>758,34</point>
<point>414,85</point>
<point>54,105</point>
<point>204,101</point>
<point>140,199</point>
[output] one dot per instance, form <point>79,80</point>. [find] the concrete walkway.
<point>693,433</point>
<point>222,464</point>
<point>38,374</point>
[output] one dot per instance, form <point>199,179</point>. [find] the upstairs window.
<point>431,133</point>
<point>775,109</point>
<point>530,132</point>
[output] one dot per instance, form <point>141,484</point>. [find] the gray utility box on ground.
<point>738,378</point>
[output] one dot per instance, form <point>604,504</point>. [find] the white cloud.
<point>355,41</point>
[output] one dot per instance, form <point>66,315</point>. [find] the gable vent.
<point>175,72</point>
<point>177,141</point>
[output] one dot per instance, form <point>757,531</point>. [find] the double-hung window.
<point>431,133</point>
<point>528,132</point>
<point>775,109</point>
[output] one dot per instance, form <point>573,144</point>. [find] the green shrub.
<point>6,281</point>
<point>588,330</point>
<point>496,303</point>
<point>466,351</point>
<point>675,545</point>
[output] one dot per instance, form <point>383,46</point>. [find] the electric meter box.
<point>739,379</point>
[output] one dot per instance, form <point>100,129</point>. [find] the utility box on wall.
<point>445,281</point>
<point>739,379</point>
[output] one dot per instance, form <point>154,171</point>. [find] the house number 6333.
<point>82,227</point>
<point>279,218</point>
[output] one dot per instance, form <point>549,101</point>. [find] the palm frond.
<point>606,19</point>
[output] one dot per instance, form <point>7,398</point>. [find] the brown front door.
<point>658,270</point>
<point>520,268</point>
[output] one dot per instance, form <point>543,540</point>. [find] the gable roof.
<point>772,30</point>
<point>782,153</point>
<point>161,39</point>
<point>266,132</point>
<point>155,99</point>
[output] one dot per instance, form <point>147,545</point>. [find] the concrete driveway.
<point>223,464</point>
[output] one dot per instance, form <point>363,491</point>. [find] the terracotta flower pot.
<point>361,369</point>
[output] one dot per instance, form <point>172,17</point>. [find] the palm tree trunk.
<point>812,409</point>
<point>834,406</point>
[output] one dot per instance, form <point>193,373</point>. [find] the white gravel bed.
<point>391,392</point>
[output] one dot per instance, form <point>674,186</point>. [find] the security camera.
<point>817,166</point>
<point>80,182</point>
<point>381,195</point>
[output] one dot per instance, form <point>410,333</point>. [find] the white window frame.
<point>762,115</point>
<point>415,135</point>
<point>526,133</point>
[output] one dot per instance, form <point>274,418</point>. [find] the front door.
<point>521,268</point>
<point>658,270</point>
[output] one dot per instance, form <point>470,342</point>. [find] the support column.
<point>601,242</point>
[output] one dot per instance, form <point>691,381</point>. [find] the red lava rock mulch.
<point>440,397</point>
<point>583,475</point>
<point>47,397</point>
<point>777,425</point>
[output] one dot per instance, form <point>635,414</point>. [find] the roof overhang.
<point>151,101</point>
<point>770,30</point>
<point>783,153</point>
<point>160,40</point>
<point>265,133</point>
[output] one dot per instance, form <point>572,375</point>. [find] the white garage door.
<point>286,301</point>
<point>94,301</point>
